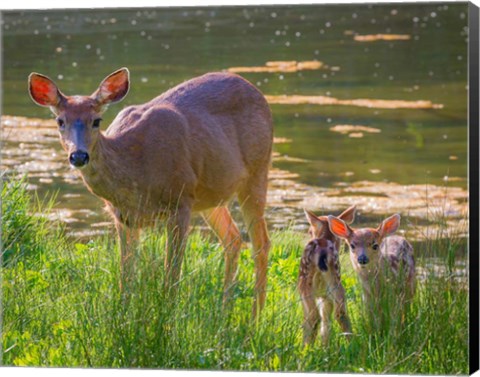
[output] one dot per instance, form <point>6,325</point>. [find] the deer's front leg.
<point>341,314</point>
<point>128,241</point>
<point>326,307</point>
<point>177,229</point>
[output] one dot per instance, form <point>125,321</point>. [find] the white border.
<point>56,4</point>
<point>69,4</point>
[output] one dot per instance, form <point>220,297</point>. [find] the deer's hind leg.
<point>311,317</point>
<point>226,230</point>
<point>252,198</point>
<point>341,314</point>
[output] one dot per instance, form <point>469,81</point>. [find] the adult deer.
<point>189,150</point>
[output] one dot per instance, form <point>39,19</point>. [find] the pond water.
<point>331,149</point>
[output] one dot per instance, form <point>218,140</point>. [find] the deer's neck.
<point>104,174</point>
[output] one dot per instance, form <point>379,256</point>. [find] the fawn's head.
<point>319,224</point>
<point>324,254</point>
<point>364,243</point>
<point>78,117</point>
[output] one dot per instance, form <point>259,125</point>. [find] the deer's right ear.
<point>44,91</point>
<point>339,228</point>
<point>315,222</point>
<point>113,88</point>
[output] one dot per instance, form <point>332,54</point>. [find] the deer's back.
<point>398,253</point>
<point>211,133</point>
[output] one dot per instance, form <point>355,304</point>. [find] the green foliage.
<point>64,308</point>
<point>23,233</point>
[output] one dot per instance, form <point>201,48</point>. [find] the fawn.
<point>190,149</point>
<point>374,250</point>
<point>319,279</point>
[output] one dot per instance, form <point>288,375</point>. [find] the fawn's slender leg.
<point>252,204</point>
<point>226,230</point>
<point>128,240</point>
<point>326,308</point>
<point>311,317</point>
<point>341,313</point>
<point>177,229</point>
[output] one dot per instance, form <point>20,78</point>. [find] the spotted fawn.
<point>319,279</point>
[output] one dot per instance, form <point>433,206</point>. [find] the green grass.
<point>62,307</point>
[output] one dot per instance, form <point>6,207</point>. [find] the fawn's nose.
<point>363,259</point>
<point>79,159</point>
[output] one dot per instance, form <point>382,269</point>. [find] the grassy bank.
<point>62,307</point>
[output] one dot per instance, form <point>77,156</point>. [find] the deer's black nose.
<point>79,158</point>
<point>363,259</point>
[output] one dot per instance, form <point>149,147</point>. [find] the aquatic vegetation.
<point>419,202</point>
<point>281,140</point>
<point>281,66</point>
<point>381,37</point>
<point>347,128</point>
<point>285,99</point>
<point>355,131</point>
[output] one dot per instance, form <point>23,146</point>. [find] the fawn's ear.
<point>339,228</point>
<point>315,222</point>
<point>389,226</point>
<point>43,90</point>
<point>113,88</point>
<point>348,215</point>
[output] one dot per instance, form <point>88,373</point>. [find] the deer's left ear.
<point>348,215</point>
<point>389,226</point>
<point>113,88</point>
<point>339,228</point>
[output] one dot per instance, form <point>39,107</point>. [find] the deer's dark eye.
<point>375,246</point>
<point>352,246</point>
<point>96,123</point>
<point>61,124</point>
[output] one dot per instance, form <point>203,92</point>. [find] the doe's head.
<point>364,243</point>
<point>78,117</point>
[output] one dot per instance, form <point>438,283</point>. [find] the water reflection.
<point>31,147</point>
<point>382,124</point>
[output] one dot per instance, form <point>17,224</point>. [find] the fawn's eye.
<point>96,123</point>
<point>61,124</point>
<point>375,246</point>
<point>352,246</point>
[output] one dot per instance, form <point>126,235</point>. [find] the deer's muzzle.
<point>362,259</point>
<point>79,159</point>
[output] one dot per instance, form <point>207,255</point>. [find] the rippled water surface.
<point>332,150</point>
